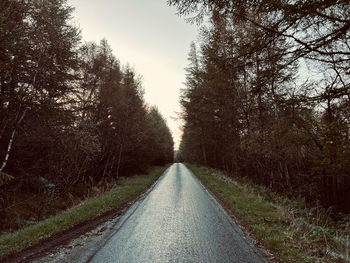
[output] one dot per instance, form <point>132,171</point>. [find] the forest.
<point>267,95</point>
<point>72,117</point>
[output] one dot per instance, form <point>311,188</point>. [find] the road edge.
<point>240,229</point>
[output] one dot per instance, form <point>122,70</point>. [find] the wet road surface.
<point>178,221</point>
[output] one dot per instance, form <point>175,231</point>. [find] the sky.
<point>149,36</point>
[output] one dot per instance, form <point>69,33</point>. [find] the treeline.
<point>251,106</point>
<point>69,112</point>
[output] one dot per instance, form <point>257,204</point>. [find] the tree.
<point>38,63</point>
<point>247,112</point>
<point>161,144</point>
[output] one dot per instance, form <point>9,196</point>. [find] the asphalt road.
<point>178,221</point>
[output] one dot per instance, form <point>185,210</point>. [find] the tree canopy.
<point>251,105</point>
<point>70,113</point>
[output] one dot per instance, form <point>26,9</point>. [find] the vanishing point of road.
<point>178,221</point>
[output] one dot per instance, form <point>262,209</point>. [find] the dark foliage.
<point>248,112</point>
<point>69,114</point>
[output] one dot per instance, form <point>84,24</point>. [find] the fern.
<point>5,178</point>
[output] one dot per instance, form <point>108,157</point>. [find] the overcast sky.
<point>149,36</point>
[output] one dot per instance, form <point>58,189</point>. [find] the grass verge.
<point>277,223</point>
<point>128,189</point>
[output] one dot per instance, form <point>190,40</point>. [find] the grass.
<point>128,189</point>
<point>284,227</point>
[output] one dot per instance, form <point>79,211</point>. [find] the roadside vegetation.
<point>125,190</point>
<point>288,229</point>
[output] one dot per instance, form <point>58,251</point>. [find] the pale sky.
<point>149,36</point>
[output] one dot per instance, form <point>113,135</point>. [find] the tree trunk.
<point>335,189</point>
<point>204,155</point>
<point>9,147</point>
<point>113,163</point>
<point>119,159</point>
<point>287,177</point>
<point>105,167</point>
<point>10,144</point>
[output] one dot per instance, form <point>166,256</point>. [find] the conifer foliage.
<point>69,112</point>
<point>253,109</point>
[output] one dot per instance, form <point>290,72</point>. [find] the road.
<point>178,221</point>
